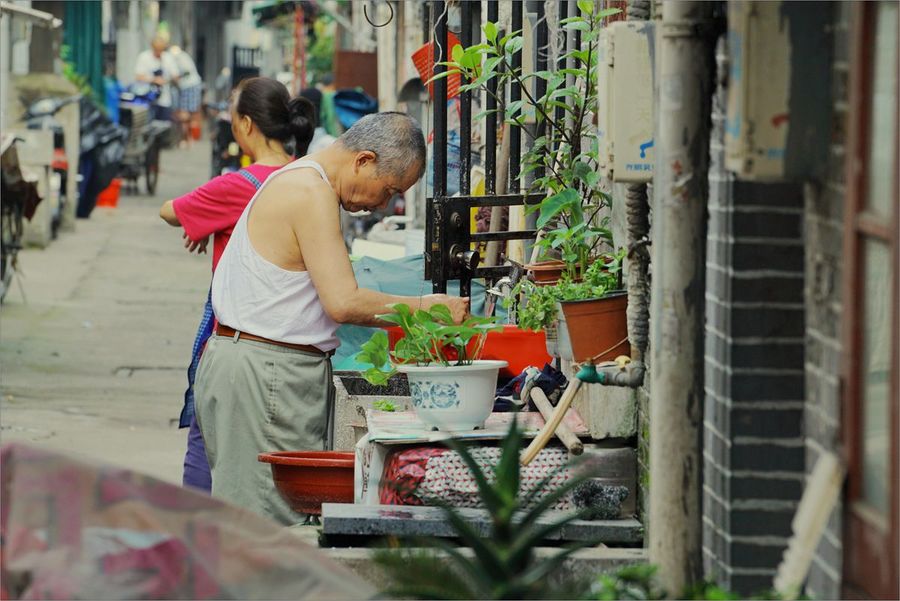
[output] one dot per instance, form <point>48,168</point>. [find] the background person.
<point>264,120</point>
<point>189,94</point>
<point>157,67</point>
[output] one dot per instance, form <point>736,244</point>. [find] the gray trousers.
<point>252,398</point>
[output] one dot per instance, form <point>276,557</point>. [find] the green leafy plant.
<point>564,150</point>
<point>429,337</point>
<point>638,582</point>
<point>321,53</point>
<point>70,72</point>
<point>540,311</point>
<point>503,564</point>
<point>384,405</point>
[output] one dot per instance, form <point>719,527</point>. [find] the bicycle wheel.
<point>152,168</point>
<point>10,243</point>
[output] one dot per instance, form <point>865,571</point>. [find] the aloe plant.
<point>503,564</point>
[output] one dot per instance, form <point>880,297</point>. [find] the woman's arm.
<point>167,212</point>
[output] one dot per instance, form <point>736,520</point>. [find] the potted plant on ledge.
<point>573,218</point>
<point>452,389</point>
<point>585,320</point>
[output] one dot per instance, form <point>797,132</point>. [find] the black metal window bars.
<point>448,236</point>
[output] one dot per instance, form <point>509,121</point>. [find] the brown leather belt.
<point>222,330</point>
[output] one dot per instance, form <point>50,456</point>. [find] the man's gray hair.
<point>395,138</point>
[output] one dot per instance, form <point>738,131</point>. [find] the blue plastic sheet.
<point>403,277</point>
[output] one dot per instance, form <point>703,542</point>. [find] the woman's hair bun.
<point>302,115</point>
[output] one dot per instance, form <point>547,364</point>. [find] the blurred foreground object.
<point>72,530</point>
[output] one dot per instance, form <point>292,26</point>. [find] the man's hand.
<point>459,307</point>
<point>191,245</point>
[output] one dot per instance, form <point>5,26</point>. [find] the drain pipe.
<point>684,90</point>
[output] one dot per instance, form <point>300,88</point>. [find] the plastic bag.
<point>72,530</point>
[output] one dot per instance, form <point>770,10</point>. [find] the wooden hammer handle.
<point>551,424</point>
<point>568,438</point>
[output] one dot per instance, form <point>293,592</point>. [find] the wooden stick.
<point>550,426</point>
<point>565,434</point>
<point>492,251</point>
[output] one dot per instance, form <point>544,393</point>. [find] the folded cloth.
<point>423,475</point>
<point>550,380</point>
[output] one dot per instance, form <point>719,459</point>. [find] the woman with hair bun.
<point>272,129</point>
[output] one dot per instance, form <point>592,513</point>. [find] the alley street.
<point>94,355</point>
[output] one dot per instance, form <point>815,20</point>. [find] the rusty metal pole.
<point>684,87</point>
<point>295,64</point>
<point>301,39</point>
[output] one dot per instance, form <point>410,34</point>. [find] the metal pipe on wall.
<point>684,88</point>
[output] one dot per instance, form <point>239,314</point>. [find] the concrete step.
<point>347,520</point>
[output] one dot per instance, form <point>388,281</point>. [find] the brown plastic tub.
<point>306,479</point>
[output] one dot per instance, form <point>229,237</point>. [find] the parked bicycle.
<point>20,199</point>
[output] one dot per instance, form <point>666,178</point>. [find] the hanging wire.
<point>366,15</point>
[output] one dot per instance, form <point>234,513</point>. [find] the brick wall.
<point>823,218</point>
<point>754,371</point>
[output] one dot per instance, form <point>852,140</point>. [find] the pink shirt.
<point>216,206</point>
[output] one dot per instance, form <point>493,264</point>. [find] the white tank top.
<point>253,295</point>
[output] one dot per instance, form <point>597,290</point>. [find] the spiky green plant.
<point>503,564</point>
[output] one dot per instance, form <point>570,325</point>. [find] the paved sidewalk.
<point>93,361</point>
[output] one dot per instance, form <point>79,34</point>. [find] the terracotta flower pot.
<point>306,479</point>
<point>546,273</point>
<point>597,328</point>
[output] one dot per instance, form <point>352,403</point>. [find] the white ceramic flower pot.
<point>459,397</point>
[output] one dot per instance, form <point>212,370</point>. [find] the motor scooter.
<point>227,155</point>
<point>146,135</point>
<point>41,115</point>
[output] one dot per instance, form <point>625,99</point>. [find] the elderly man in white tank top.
<point>282,286</point>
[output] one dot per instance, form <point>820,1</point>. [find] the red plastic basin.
<point>520,348</point>
<point>306,479</point>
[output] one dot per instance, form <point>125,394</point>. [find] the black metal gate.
<point>245,62</point>
<point>448,235</point>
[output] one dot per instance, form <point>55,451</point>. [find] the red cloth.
<point>404,471</point>
<point>215,207</point>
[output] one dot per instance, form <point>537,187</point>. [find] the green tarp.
<point>82,33</point>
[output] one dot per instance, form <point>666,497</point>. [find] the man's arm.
<point>315,219</point>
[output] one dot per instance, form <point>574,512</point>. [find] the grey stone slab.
<point>354,396</point>
<point>340,519</point>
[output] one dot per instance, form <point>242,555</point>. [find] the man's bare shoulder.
<point>301,189</point>
<point>300,184</point>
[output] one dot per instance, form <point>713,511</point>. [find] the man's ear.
<point>362,159</point>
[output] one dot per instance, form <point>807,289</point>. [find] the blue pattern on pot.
<point>434,395</point>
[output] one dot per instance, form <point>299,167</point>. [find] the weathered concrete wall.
<point>823,234</point>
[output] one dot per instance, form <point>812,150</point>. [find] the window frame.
<point>870,558</point>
